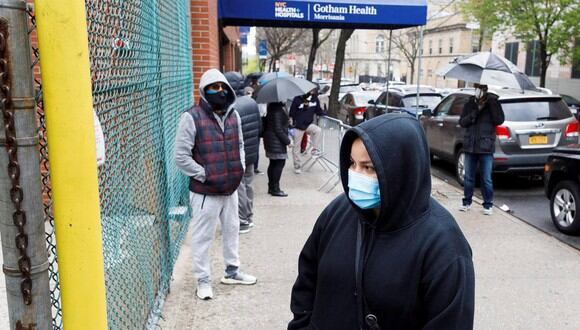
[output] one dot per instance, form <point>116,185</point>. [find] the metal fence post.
<point>21,216</point>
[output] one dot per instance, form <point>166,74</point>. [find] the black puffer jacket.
<point>251,126</point>
<point>276,131</point>
<point>480,134</point>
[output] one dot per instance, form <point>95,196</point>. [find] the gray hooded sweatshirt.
<point>185,137</point>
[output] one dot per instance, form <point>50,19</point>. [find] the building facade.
<point>444,38</point>
<point>560,78</point>
<point>211,45</point>
<point>367,56</point>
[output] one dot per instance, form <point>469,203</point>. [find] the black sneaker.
<point>257,171</point>
<point>244,227</point>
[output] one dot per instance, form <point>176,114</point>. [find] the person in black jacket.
<point>384,255</point>
<point>276,141</point>
<point>251,128</point>
<point>481,114</point>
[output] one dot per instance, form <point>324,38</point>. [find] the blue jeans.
<point>485,168</point>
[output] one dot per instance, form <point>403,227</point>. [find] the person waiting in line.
<point>276,141</point>
<point>385,254</point>
<point>481,115</point>
<point>209,149</point>
<point>249,113</point>
<point>302,112</point>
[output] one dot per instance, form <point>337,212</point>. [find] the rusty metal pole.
<point>21,214</point>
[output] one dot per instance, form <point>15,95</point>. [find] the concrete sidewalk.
<point>525,279</point>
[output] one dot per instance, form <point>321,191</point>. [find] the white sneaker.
<point>464,208</point>
<point>239,278</point>
<point>204,291</point>
<point>297,170</point>
<point>315,153</point>
<point>488,211</point>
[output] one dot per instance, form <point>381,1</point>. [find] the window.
<point>533,59</point>
<point>380,44</point>
<point>430,47</point>
<point>430,73</point>
<point>440,46</point>
<point>511,52</point>
<point>576,62</point>
<point>367,69</point>
<point>450,45</point>
<point>457,107</point>
<point>379,70</point>
<point>444,106</point>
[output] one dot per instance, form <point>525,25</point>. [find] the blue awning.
<point>353,14</point>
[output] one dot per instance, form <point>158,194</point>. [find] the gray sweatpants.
<point>207,211</point>
<point>246,195</point>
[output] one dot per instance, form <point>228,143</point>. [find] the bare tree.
<point>280,42</point>
<point>407,41</point>
<point>317,41</point>
<point>337,73</point>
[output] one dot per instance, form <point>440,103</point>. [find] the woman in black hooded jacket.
<point>276,141</point>
<point>384,255</point>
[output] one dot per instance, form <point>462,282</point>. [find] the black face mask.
<point>217,101</point>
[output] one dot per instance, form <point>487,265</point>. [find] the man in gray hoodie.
<point>209,149</point>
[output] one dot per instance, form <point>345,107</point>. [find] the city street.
<point>525,198</point>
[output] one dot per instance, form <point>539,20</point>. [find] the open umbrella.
<point>487,69</point>
<point>272,75</point>
<point>283,89</point>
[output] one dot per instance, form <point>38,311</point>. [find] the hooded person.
<point>209,149</point>
<point>384,255</point>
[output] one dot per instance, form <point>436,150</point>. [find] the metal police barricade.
<point>332,132</point>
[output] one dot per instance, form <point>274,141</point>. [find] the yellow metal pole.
<point>66,88</point>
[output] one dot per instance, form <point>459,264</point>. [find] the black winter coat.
<point>251,126</point>
<point>414,268</point>
<point>480,125</point>
<point>276,129</point>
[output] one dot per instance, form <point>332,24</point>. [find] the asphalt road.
<point>524,196</point>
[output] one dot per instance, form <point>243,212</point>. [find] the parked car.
<point>562,186</point>
<point>345,87</point>
<point>535,124</point>
<point>353,106</point>
<point>404,99</point>
<point>573,104</point>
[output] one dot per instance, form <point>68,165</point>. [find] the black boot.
<point>270,188</point>
<point>277,192</point>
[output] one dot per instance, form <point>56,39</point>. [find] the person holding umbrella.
<point>275,93</point>
<point>481,114</point>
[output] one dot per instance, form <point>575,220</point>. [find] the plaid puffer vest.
<point>218,152</point>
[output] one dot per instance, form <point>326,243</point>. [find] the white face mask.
<point>478,93</point>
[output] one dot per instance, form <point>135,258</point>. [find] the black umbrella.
<point>283,89</point>
<point>487,69</point>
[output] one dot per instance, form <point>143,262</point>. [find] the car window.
<point>381,99</point>
<point>425,101</point>
<point>457,106</point>
<point>443,108</point>
<point>570,100</point>
<point>394,100</point>
<point>533,110</point>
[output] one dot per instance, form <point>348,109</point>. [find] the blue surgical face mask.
<point>363,190</point>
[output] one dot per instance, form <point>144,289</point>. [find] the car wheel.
<point>564,205</point>
<point>460,167</point>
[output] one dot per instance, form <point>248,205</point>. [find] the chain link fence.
<point>140,54</point>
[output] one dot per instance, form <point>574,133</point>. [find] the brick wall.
<point>204,39</point>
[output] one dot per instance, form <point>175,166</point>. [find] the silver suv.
<point>534,124</point>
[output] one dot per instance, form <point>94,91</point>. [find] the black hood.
<point>398,149</point>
